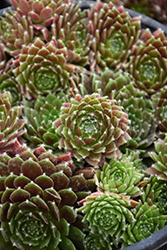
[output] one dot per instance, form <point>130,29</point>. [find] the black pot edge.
<point>158,239</point>
<point>153,242</point>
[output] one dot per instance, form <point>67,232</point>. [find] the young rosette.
<point>147,220</point>
<point>142,126</point>
<point>112,33</point>
<point>38,192</point>
<point>159,157</point>
<point>8,83</point>
<point>93,241</point>
<point>117,85</point>
<point>10,122</point>
<point>147,62</point>
<point>154,191</point>
<point>107,214</point>
<point>119,177</point>
<point>43,68</point>
<point>40,118</point>
<point>92,128</point>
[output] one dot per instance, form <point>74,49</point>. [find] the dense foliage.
<point>83,127</point>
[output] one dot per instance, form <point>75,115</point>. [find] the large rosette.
<point>38,191</point>
<point>92,128</point>
<point>112,33</point>
<point>43,68</point>
<point>147,62</point>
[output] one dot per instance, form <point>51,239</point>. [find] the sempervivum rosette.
<point>115,85</point>
<point>113,33</point>
<point>69,30</point>
<point>119,177</point>
<point>40,118</point>
<point>43,68</point>
<point>154,192</point>
<point>38,192</point>
<point>159,157</point>
<point>15,30</point>
<point>8,83</point>
<point>147,220</point>
<point>108,214</point>
<point>93,241</point>
<point>92,128</point>
<point>10,122</point>
<point>142,126</point>
<point>147,62</point>
<point>159,101</point>
<point>41,13</point>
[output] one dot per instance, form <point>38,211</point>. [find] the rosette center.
<point>45,81</point>
<point>148,72</point>
<point>89,126</point>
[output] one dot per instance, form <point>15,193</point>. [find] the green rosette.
<point>108,214</point>
<point>119,177</point>
<point>40,118</point>
<point>159,157</point>
<point>93,241</point>
<point>147,220</point>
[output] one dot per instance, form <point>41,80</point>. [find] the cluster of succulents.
<point>83,127</point>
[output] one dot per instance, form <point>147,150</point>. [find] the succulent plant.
<point>43,68</point>
<point>92,128</point>
<point>8,83</point>
<point>112,84</point>
<point>147,220</point>
<point>154,192</point>
<point>40,12</point>
<point>40,117</point>
<point>142,126</point>
<point>10,122</point>
<point>160,109</point>
<point>15,30</point>
<point>147,62</point>
<point>38,191</point>
<point>93,241</point>
<point>159,157</point>
<point>69,30</point>
<point>90,169</point>
<point>133,156</point>
<point>113,34</point>
<point>108,214</point>
<point>119,177</point>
